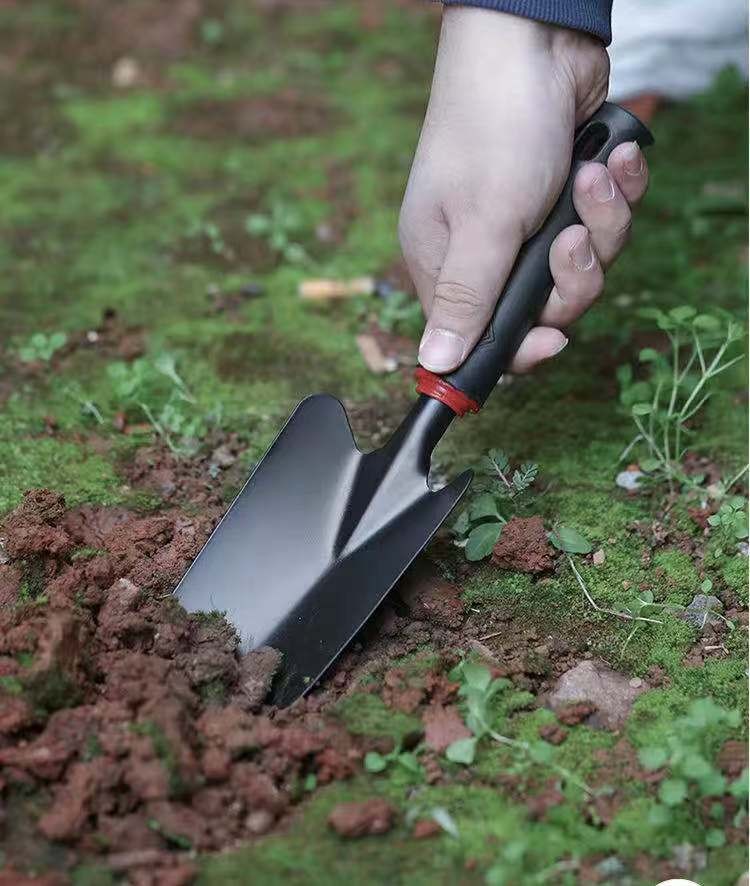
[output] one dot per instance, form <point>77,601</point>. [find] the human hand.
<point>492,158</point>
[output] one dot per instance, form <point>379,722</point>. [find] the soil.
<point>362,819</point>
<point>140,727</point>
<point>286,114</point>
<point>523,546</point>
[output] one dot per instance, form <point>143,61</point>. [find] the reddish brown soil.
<point>523,546</point>
<point>362,819</point>
<point>286,114</point>
<point>138,728</point>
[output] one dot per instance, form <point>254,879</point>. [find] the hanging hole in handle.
<point>591,141</point>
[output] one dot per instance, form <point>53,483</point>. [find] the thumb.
<point>473,274</point>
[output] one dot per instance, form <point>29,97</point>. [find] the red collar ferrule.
<point>439,389</point>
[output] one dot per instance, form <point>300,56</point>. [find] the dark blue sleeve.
<point>592,16</point>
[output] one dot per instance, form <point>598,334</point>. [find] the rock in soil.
<point>523,546</point>
<point>595,682</point>
<point>701,612</point>
<point>362,819</point>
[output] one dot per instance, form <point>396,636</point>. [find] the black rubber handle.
<point>530,281</point>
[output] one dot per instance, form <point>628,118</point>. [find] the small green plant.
<point>210,233</point>
<point>675,388</point>
<point>732,516</point>
<point>402,314</point>
<point>42,347</point>
<point>498,495</point>
<point>407,760</point>
<point>478,690</point>
<point>278,228</point>
<point>171,411</point>
<point>692,774</point>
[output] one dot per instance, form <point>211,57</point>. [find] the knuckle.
<point>458,301</point>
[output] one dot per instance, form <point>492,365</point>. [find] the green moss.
<point>679,569</point>
<point>92,875</point>
<point>79,474</point>
<point>735,573</point>
<point>366,714</point>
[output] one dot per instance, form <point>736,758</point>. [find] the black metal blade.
<point>317,537</point>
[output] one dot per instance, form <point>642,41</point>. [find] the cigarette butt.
<point>328,290</point>
<point>375,360</point>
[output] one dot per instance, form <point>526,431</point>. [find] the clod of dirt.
<point>424,828</point>
<point>523,546</point>
<point>257,669</point>
<point>701,612</point>
<point>443,726</point>
<point>362,819</point>
<point>578,712</point>
<point>732,759</point>
<point>540,804</point>
<point>430,597</point>
<point>595,682</point>
<point>553,733</point>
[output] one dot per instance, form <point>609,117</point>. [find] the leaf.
<point>569,540</point>
<point>647,465</point>
<point>410,763</point>
<point>706,585</point>
<point>483,506</point>
<point>462,751</point>
<point>683,313</point>
<point>707,322</point>
<point>672,791</point>
<point>652,758</point>
<point>461,526</point>
<point>445,820</point>
<point>642,408</point>
<point>715,838</point>
<point>648,355</point>
<point>375,762</point>
<point>712,784</point>
<point>659,816</point>
<point>541,752</point>
<point>646,597</point>
<point>482,539</point>
<point>475,675</point>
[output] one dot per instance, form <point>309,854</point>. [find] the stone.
<point>595,682</point>
<point>701,611</point>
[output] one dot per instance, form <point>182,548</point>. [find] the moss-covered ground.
<point>133,195</point>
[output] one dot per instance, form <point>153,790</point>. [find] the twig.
<point>624,615</point>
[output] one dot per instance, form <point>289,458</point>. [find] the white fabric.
<point>675,47</point>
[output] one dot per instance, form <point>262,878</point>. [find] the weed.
<point>478,690</point>
<point>732,516</point>
<point>172,413</point>
<point>278,228</point>
<point>676,388</point>
<point>407,760</point>
<point>210,232</point>
<point>692,775</point>
<point>42,347</point>
<point>498,494</point>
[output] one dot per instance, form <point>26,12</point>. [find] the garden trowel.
<point>321,531</point>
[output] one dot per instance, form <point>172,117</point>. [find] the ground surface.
<point>168,175</point>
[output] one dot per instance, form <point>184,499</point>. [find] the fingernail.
<point>562,347</point>
<point>633,159</point>
<point>581,253</point>
<point>441,350</point>
<point>602,188</point>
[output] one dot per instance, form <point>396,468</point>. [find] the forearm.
<point>590,16</point>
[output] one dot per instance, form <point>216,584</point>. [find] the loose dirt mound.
<point>136,728</point>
